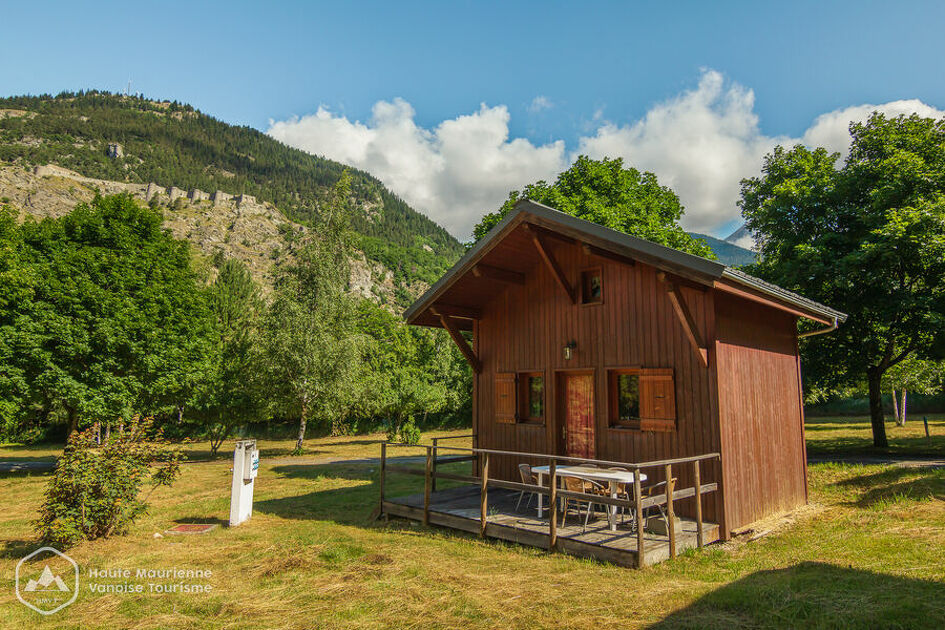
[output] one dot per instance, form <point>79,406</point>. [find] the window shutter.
<point>657,400</point>
<point>505,403</point>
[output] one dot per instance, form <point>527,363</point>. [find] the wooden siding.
<point>761,416</point>
<point>525,328</point>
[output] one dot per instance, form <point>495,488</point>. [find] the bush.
<point>96,489</point>
<point>406,433</point>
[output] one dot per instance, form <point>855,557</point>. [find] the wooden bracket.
<point>498,274</point>
<point>459,340</point>
<point>551,263</point>
<point>685,318</point>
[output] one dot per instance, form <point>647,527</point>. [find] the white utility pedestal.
<point>245,467</point>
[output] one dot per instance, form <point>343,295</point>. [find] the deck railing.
<point>638,503</point>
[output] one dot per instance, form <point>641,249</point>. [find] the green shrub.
<point>95,491</point>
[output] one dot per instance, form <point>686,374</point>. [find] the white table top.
<point>587,472</point>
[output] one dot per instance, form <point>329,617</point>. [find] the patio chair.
<point>652,491</point>
<point>573,484</point>
<point>525,472</point>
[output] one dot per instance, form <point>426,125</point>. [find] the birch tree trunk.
<point>902,410</point>
<point>895,406</point>
<point>302,419</point>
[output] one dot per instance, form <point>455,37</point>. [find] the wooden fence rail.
<point>637,503</point>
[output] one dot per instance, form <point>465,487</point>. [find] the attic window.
<point>592,290</point>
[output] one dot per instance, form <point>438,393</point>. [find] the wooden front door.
<point>577,398</point>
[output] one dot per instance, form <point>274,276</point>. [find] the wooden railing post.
<point>383,471</point>
<point>435,453</point>
<point>637,493</point>
<point>698,482</point>
<point>553,506</point>
<point>483,495</point>
<point>427,483</point>
<point>670,513</point>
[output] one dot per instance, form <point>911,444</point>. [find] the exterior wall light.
<point>569,350</point>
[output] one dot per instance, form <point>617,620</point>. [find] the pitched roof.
<point>694,268</point>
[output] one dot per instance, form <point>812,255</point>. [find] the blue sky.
<point>592,64</point>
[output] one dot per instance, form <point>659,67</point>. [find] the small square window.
<point>592,291</point>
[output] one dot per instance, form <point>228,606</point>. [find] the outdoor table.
<point>603,475</point>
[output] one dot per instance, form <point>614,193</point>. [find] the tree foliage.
<point>866,236</point>
<point>310,339</point>
<point>604,192</point>
<point>228,394</point>
<point>109,319</point>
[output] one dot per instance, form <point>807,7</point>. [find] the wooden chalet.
<point>598,346</point>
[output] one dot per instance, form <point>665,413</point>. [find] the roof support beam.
<point>591,250</point>
<point>498,274</point>
<point>551,262</point>
<point>459,340</point>
<point>462,312</point>
<point>685,318</point>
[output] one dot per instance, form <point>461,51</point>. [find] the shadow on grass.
<point>816,595</point>
<point>897,484</point>
<point>350,504</point>
<point>16,549</point>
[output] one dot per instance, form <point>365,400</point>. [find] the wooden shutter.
<point>657,400</point>
<point>505,403</point>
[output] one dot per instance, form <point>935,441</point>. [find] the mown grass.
<point>851,435</point>
<point>869,554</point>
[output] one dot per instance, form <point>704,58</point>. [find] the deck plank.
<point>458,508</point>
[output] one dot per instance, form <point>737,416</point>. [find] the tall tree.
<point>311,344</point>
<point>866,236</point>
<point>604,192</point>
<point>228,394</point>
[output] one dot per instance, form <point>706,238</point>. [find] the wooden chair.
<point>573,484</point>
<point>525,472</point>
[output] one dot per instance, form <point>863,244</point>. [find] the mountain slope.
<point>174,145</point>
<point>727,253</point>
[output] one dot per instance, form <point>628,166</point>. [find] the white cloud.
<point>540,103</point>
<point>454,173</point>
<point>701,143</point>
<point>832,130</point>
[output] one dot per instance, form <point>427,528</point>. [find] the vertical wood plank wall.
<point>761,416</point>
<point>524,328</point>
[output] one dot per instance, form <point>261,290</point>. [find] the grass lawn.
<point>851,435</point>
<point>867,554</point>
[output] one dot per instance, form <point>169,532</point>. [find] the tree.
<point>407,371</point>
<point>110,314</point>
<point>228,393</point>
<point>913,375</point>
<point>867,237</point>
<point>604,192</point>
<point>312,348</point>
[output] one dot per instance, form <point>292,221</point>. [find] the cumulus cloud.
<point>832,130</point>
<point>701,143</point>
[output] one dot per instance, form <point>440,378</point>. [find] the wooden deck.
<point>459,508</point>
